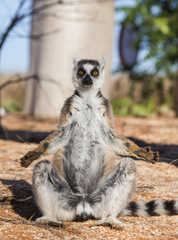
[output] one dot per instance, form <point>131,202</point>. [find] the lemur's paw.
<point>45,220</point>
<point>156,157</point>
<point>112,222</point>
<point>26,160</point>
<point>148,154</point>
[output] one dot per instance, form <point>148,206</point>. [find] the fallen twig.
<point>8,200</point>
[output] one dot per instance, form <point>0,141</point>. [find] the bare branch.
<point>37,36</point>
<point>18,17</point>
<point>20,6</point>
<point>27,78</point>
<point>14,21</point>
<point>41,8</point>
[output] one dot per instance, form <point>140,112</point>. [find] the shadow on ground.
<point>168,153</point>
<point>24,204</point>
<point>22,135</point>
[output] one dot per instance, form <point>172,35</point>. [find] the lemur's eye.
<point>95,73</point>
<point>80,72</point>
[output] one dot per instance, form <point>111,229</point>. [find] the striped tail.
<point>152,208</point>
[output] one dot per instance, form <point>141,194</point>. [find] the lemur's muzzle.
<point>87,80</point>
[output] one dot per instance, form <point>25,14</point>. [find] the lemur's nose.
<point>87,80</point>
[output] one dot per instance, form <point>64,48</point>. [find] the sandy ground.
<point>158,181</point>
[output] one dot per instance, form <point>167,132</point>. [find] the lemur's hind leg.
<point>53,195</point>
<point>114,194</point>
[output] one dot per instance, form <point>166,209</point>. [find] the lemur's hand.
<point>140,153</point>
<point>26,160</point>
<point>148,154</point>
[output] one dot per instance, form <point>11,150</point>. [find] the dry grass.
<point>159,181</point>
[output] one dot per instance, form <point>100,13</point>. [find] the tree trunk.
<point>85,29</point>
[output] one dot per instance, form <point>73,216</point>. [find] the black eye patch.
<point>95,72</point>
<point>81,72</point>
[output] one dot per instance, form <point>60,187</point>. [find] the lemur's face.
<point>88,73</point>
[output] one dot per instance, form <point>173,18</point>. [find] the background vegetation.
<point>156,24</point>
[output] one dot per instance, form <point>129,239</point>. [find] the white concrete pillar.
<point>84,28</point>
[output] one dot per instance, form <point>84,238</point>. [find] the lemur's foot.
<point>148,154</point>
<point>112,222</point>
<point>26,160</point>
<point>45,220</point>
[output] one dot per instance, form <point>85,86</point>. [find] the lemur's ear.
<point>102,62</point>
<point>76,59</point>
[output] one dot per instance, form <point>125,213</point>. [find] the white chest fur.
<point>85,150</point>
<point>88,118</point>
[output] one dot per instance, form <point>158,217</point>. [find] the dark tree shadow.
<point>21,189</point>
<point>22,135</point>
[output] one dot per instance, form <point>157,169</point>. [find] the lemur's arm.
<point>55,140</point>
<point>49,145</point>
<point>130,147</point>
<point>139,153</point>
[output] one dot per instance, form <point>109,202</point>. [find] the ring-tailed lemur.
<point>93,174</point>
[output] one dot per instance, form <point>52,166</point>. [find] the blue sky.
<point>15,55</point>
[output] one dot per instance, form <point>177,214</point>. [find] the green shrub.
<point>12,106</point>
<point>125,106</point>
<point>122,106</point>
